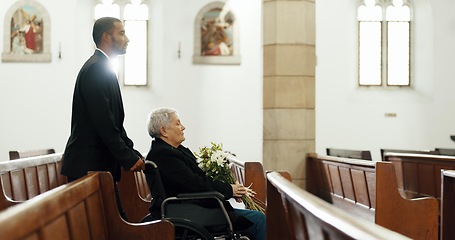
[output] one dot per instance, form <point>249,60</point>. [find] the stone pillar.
<point>289,85</point>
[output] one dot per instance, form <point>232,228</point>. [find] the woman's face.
<point>173,132</point>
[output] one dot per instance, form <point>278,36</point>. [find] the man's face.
<point>119,39</point>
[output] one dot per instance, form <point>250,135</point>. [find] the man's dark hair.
<point>102,25</point>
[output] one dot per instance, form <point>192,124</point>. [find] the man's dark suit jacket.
<point>98,140</point>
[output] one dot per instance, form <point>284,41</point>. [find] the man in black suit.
<point>98,140</point>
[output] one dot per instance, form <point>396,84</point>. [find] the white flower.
<point>219,157</point>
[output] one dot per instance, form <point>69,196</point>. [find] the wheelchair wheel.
<point>186,230</point>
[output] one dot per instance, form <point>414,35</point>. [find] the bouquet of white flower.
<point>213,161</point>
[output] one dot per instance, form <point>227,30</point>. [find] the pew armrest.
<point>411,217</point>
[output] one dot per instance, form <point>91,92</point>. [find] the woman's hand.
<point>238,190</point>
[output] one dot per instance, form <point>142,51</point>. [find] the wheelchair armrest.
<point>184,205</point>
<point>200,195</point>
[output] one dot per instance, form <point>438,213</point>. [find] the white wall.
<point>224,103</point>
<point>351,117</point>
<point>217,103</point>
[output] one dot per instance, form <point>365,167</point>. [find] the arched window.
<point>132,67</point>
<point>398,17</point>
<point>384,43</point>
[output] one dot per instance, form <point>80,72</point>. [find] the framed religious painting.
<point>216,37</point>
<point>26,33</point>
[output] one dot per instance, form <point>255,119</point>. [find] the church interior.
<point>289,87</point>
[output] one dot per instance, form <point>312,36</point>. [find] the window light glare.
<point>131,68</point>
<point>384,43</point>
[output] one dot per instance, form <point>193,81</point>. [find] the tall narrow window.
<point>384,43</point>
<point>370,48</point>
<point>398,18</point>
<point>136,17</point>
<point>132,67</point>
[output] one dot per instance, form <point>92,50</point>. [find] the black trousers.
<point>117,198</point>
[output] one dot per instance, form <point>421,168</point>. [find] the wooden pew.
<point>384,151</point>
<point>366,189</point>
<point>134,195</point>
<point>31,153</point>
<point>248,173</point>
<point>416,218</point>
<point>347,183</point>
<point>445,151</point>
<point>83,209</point>
<point>26,178</point>
<point>346,153</point>
<point>252,173</point>
<point>420,174</point>
<point>448,205</point>
<point>294,213</point>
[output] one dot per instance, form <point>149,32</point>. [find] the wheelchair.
<point>194,215</point>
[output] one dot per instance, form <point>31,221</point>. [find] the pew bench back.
<point>294,213</point>
<point>348,153</point>
<point>369,190</point>
<point>253,174</point>
<point>347,183</point>
<point>445,151</point>
<point>83,209</point>
<point>249,173</point>
<point>134,195</point>
<point>30,153</point>
<point>416,218</point>
<point>419,175</point>
<point>386,150</point>
<point>25,178</point>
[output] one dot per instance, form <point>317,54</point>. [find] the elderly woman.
<point>180,172</point>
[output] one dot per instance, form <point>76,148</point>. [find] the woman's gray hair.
<point>158,118</point>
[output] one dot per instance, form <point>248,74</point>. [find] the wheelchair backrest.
<point>155,184</point>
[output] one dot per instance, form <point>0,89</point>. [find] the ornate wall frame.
<point>26,33</point>
<point>216,35</point>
